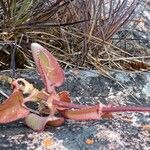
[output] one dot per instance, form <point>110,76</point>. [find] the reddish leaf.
<point>48,67</point>
<point>12,109</point>
<point>64,96</point>
<point>55,121</point>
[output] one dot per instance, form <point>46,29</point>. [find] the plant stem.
<point>124,109</point>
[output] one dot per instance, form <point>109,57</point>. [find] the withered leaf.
<point>38,123</point>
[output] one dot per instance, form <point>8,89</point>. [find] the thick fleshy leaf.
<point>48,67</point>
<point>87,113</point>
<point>12,108</point>
<point>38,123</point>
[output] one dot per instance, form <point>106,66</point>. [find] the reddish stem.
<point>103,108</point>
<point>68,105</point>
<point>125,108</point>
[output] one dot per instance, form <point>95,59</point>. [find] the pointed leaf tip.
<point>48,67</point>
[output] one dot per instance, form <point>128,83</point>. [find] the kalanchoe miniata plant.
<point>53,107</point>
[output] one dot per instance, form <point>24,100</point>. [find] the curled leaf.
<point>12,109</point>
<point>23,85</point>
<point>38,123</point>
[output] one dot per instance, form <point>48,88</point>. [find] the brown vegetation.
<point>78,32</point>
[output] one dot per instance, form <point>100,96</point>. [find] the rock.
<point>124,131</point>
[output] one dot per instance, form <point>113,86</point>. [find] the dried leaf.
<point>23,85</point>
<point>6,79</point>
<point>12,109</point>
<point>135,65</point>
<point>139,65</point>
<point>38,123</point>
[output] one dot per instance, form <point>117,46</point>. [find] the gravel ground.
<point>124,131</point>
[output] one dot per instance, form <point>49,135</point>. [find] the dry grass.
<point>79,33</point>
